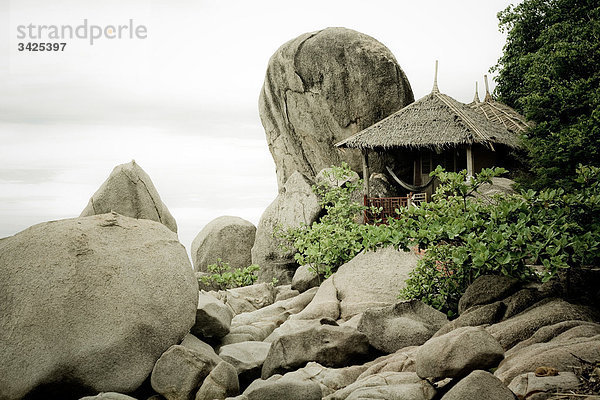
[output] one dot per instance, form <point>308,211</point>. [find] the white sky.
<point>183,102</point>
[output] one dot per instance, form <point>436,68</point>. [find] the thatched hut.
<point>435,130</point>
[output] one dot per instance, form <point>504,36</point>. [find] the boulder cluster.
<point>107,305</point>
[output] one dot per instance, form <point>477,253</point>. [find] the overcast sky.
<point>183,101</point>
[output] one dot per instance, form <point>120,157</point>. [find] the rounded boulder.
<point>227,238</point>
<point>321,88</point>
<point>89,304</point>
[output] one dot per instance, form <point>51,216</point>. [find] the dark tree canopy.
<point>550,71</point>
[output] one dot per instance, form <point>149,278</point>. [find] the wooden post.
<point>470,164</point>
<point>366,173</point>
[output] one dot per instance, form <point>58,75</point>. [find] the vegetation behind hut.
<point>550,71</point>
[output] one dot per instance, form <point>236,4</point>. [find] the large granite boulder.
<point>191,342</point>
<point>480,385</point>
<point>327,178</point>
<point>560,346</point>
<point>529,385</point>
<point>283,387</point>
<point>246,357</point>
<point>213,318</point>
<point>387,385</point>
<point>259,324</point>
<point>180,371</point>
<point>458,353</point>
<point>546,312</point>
<point>329,345</point>
<point>222,382</point>
<point>402,360</point>
<point>371,279</point>
<point>130,192</point>
<point>305,278</point>
<point>229,239</point>
<point>89,304</point>
<point>499,186</point>
<point>295,205</point>
<point>323,87</point>
<point>329,379</point>
<point>108,396</point>
<point>247,298</point>
<point>487,289</point>
<point>407,323</point>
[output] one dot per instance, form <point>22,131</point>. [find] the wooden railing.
<point>388,206</point>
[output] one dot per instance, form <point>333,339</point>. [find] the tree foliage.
<point>550,71</point>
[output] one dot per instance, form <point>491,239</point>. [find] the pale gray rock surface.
<point>221,382</point>
<point>487,289</point>
<point>193,343</point>
<point>323,87</point>
<point>402,360</point>
<point>280,387</point>
<point>130,192</point>
<point>559,352</point>
<point>527,384</point>
<point>371,279</point>
<point>475,316</point>
<point>329,379</point>
<point>457,353</point>
<point>247,298</point>
<point>327,178</point>
<point>285,292</point>
<point>380,186</point>
<point>246,357</point>
<point>227,238</point>
<point>179,372</point>
<point>480,385</point>
<point>387,385</point>
<point>296,204</point>
<point>502,186</point>
<point>546,312</point>
<point>564,330</point>
<point>108,396</point>
<point>329,345</point>
<point>520,301</point>
<point>305,278</point>
<point>213,318</point>
<point>259,324</point>
<point>83,293</point>
<point>407,323</point>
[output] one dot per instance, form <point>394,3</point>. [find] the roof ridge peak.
<point>476,97</point>
<point>435,84</point>
<point>488,96</point>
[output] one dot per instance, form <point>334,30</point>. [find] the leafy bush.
<point>464,236</point>
<point>225,277</point>
<point>337,236</point>
<point>468,237</point>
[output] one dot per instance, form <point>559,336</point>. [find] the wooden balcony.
<point>389,206</point>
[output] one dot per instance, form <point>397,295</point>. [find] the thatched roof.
<point>435,121</point>
<point>499,113</point>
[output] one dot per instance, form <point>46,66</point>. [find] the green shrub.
<point>225,277</point>
<point>463,236</point>
<point>467,237</point>
<point>336,237</point>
